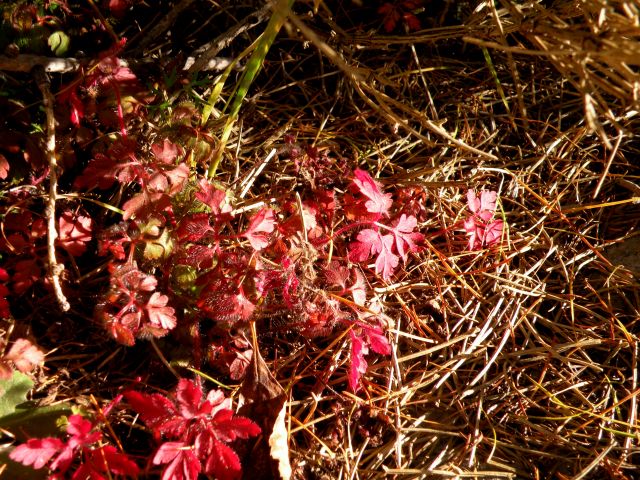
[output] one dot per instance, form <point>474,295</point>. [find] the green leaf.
<point>13,392</point>
<point>25,419</point>
<point>59,43</point>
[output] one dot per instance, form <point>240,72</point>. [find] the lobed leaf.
<point>378,202</point>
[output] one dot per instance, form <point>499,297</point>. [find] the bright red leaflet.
<point>197,430</point>
<point>84,444</point>
<point>363,337</point>
<point>389,247</point>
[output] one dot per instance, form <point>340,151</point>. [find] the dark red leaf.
<point>165,151</point>
<point>194,227</point>
<point>75,231</point>
<point>223,463</point>
<point>412,22</point>
<point>198,256</point>
<point>104,460</point>
<point>100,172</point>
<point>4,167</point>
<point>119,7</point>
<point>212,197</point>
<point>27,272</point>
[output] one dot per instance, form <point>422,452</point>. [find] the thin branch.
<point>27,62</point>
<point>55,268</point>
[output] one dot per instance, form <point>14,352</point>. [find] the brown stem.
<point>55,268</point>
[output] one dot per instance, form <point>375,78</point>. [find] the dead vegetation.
<point>512,362</point>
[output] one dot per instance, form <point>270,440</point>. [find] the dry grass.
<point>520,362</point>
<point>516,362</point>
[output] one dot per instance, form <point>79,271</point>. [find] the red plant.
<point>23,354</point>
<point>364,336</point>
<point>481,229</point>
<point>84,445</point>
<point>387,247</point>
<point>400,10</point>
<point>4,291</point>
<point>196,431</point>
<point>107,73</point>
<point>133,307</point>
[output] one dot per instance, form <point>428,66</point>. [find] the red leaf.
<point>378,203</point>
<point>4,167</point>
<point>480,228</point>
<point>114,240</point>
<point>261,224</point>
<point>391,16</point>
<point>25,355</point>
<point>189,398</point>
<point>120,333</point>
<point>229,427</point>
<point>159,314</point>
<point>75,231</point>
<point>100,172</point>
<point>223,462</point>
<point>377,339</point>
<point>178,177</point>
<point>154,409</point>
<point>120,164</point>
<point>212,197</point>
<point>79,429</point>
<point>194,227</point>
<point>198,256</point>
<point>486,202</point>
<point>493,232</point>
<point>387,261</point>
<point>76,106</point>
<point>183,463</point>
<point>145,202</point>
<point>368,243</point>
<point>63,461</point>
<point>412,22</point>
<point>37,451</point>
<point>106,459</point>
<point>358,365</point>
<point>337,275</point>
<point>226,307</point>
<point>207,424</point>
<point>370,336</point>
<point>165,152</point>
<point>405,238</point>
<point>119,7</point>
<point>27,272</point>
